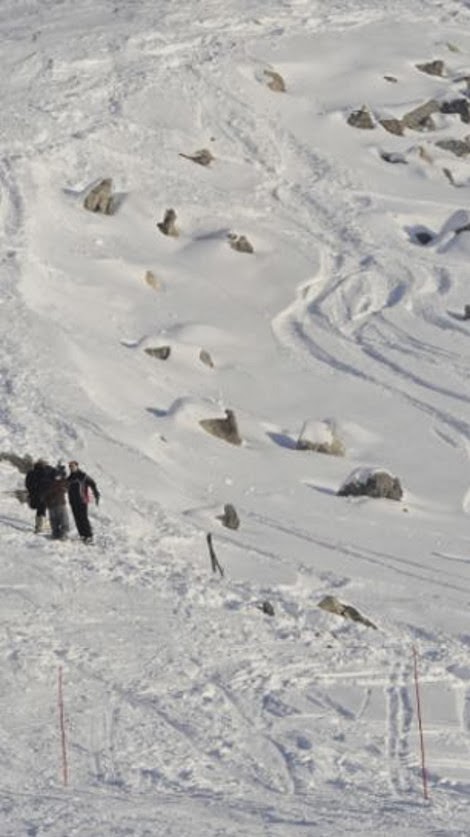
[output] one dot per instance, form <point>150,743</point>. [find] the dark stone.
<point>205,358</point>
<point>230,517</point>
<point>203,157</point>
<point>420,118</point>
<point>458,147</point>
<point>432,68</point>
<point>162,352</point>
<point>393,126</point>
<point>240,243</point>
<point>393,157</point>
<point>168,225</point>
<point>460,106</point>
<point>361,118</point>
<point>267,608</point>
<point>100,198</point>
<point>332,605</point>
<point>224,428</point>
<point>377,484</point>
<point>423,237</point>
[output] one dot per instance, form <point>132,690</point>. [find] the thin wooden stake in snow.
<point>65,769</point>
<point>214,562</point>
<point>420,724</point>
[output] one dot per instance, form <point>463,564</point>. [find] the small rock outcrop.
<point>203,157</point>
<point>240,243</point>
<point>320,437</point>
<point>420,118</point>
<point>151,280</point>
<point>393,126</point>
<point>372,483</point>
<point>205,358</point>
<point>459,106</point>
<point>432,68</point>
<point>458,147</point>
<point>100,198</point>
<point>275,81</point>
<point>224,428</point>
<point>393,157</point>
<point>229,518</point>
<point>361,118</point>
<point>333,605</point>
<point>423,237</point>
<point>162,352</point>
<point>168,225</point>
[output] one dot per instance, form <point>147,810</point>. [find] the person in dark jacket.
<point>55,498</point>
<point>79,487</point>
<point>37,481</point>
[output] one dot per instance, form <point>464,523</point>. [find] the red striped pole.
<point>420,724</point>
<point>65,769</point>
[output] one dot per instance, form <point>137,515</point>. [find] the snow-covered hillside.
<point>188,710</point>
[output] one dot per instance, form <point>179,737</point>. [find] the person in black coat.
<point>37,481</point>
<point>79,487</point>
<point>55,498</point>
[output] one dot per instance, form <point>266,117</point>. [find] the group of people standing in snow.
<point>50,487</point>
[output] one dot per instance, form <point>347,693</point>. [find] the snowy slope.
<point>188,710</point>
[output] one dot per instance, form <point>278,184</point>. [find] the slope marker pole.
<point>65,769</point>
<point>420,724</point>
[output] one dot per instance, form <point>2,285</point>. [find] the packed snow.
<point>188,708</point>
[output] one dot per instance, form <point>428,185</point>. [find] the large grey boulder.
<point>224,428</point>
<point>371,483</point>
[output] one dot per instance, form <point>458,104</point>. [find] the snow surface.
<point>188,710</point>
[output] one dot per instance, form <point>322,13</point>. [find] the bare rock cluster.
<point>422,117</point>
